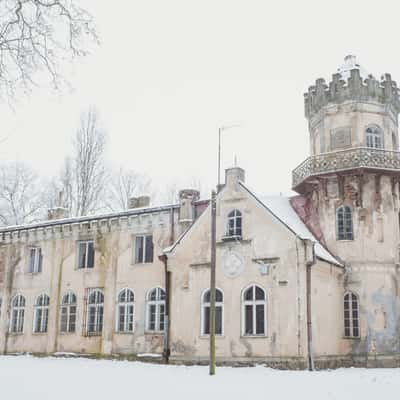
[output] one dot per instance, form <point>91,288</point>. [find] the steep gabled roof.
<point>280,207</point>
<point>282,210</point>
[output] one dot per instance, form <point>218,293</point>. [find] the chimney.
<point>58,212</point>
<point>137,202</point>
<point>234,175</point>
<point>186,207</point>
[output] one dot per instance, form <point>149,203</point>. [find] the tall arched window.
<point>17,314</point>
<point>234,223</point>
<point>344,223</point>
<point>68,313</point>
<point>95,312</point>
<point>155,310</point>
<point>351,315</point>
<point>125,319</point>
<point>254,311</point>
<point>374,137</point>
<point>205,312</point>
<point>41,314</point>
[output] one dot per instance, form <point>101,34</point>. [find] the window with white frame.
<point>35,260</point>
<point>143,249</point>
<point>374,137</point>
<point>234,223</point>
<point>126,311</point>
<point>41,314</point>
<point>344,223</point>
<point>17,314</point>
<point>254,311</point>
<point>68,313</point>
<point>95,307</point>
<point>85,254</point>
<point>205,312</point>
<point>351,316</point>
<point>155,310</point>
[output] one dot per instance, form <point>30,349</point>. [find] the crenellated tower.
<point>350,193</point>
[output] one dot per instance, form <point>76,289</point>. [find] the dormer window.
<point>374,137</point>
<point>234,224</point>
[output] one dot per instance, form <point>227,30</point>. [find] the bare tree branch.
<point>35,35</point>
<point>84,175</point>
<point>21,200</point>
<point>124,184</point>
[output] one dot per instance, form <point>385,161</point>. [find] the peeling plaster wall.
<point>114,269</point>
<point>372,258</point>
<point>263,237</point>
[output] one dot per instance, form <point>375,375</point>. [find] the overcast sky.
<point>169,73</point>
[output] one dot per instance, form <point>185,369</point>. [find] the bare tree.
<point>123,185</point>
<point>35,36</point>
<point>21,200</point>
<point>83,176</point>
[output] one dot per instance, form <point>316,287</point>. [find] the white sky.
<point>169,73</point>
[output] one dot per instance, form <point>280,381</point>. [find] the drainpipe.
<point>167,275</point>
<point>310,261</point>
<point>166,351</point>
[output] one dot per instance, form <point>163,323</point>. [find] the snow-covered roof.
<point>281,208</point>
<point>89,218</point>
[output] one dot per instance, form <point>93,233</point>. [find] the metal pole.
<point>219,159</point>
<point>212,282</point>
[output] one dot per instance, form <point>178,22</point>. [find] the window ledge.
<point>207,337</point>
<point>351,337</point>
<point>142,263</point>
<point>231,238</point>
<point>39,333</point>
<point>15,333</point>
<point>124,333</point>
<point>154,333</point>
<point>254,337</point>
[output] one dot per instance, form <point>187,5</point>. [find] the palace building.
<point>308,278</point>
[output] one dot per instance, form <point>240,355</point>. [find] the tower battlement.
<point>356,88</point>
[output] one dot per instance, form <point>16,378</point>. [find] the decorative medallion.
<point>232,264</point>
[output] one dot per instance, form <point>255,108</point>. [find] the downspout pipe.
<point>166,351</point>
<point>167,276</point>
<point>310,261</point>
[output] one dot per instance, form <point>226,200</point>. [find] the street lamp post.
<point>214,253</point>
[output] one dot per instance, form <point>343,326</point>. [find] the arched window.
<point>351,315</point>
<point>41,314</point>
<point>125,319</point>
<point>254,311</point>
<point>344,223</point>
<point>17,314</point>
<point>155,310</point>
<point>95,312</point>
<point>205,312</point>
<point>234,223</point>
<point>374,137</point>
<point>68,313</point>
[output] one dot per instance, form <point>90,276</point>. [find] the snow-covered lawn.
<point>29,378</point>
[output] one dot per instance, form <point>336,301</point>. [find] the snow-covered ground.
<point>29,378</point>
